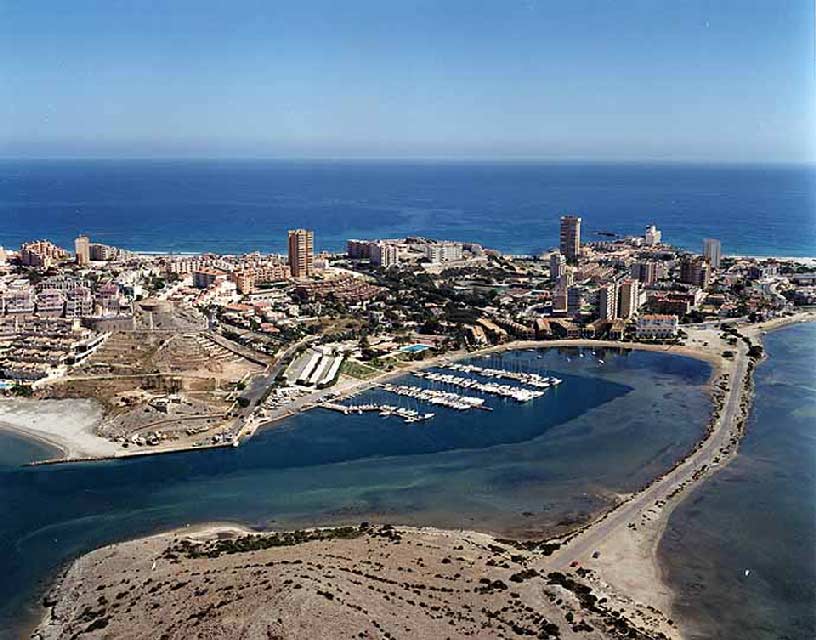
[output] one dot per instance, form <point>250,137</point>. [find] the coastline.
<point>628,569</point>
<point>83,445</point>
<point>66,425</point>
<point>637,585</point>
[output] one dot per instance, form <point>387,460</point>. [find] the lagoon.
<point>521,470</point>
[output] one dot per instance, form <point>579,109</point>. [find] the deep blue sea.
<point>520,470</point>
<point>237,206</point>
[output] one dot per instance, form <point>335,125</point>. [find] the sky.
<point>690,80</point>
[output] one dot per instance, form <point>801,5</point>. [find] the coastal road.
<point>581,547</point>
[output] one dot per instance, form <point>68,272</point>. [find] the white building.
<point>653,236</point>
<point>443,251</point>
<point>656,327</point>
<point>384,254</point>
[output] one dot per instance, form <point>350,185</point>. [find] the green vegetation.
<point>258,542</point>
<point>22,390</point>
<point>359,370</point>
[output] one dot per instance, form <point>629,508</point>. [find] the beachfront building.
<point>301,253</point>
<point>608,301</point>
<point>570,238</point>
<point>653,236</point>
<point>41,253</point>
<point>82,249</point>
<point>628,299</point>
<point>712,252</point>
<point>656,327</point>
<point>575,299</point>
<point>384,254</point>
<point>443,251</point>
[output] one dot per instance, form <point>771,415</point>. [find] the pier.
<point>518,394</point>
<point>441,398</point>
<point>532,379</point>
<point>385,410</point>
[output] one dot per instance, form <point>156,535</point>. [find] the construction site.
<point>163,385</point>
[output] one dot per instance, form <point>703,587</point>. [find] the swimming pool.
<point>414,348</point>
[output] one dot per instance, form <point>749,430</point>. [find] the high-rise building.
<point>711,252</point>
<point>628,299</point>
<point>558,265</point>
<point>695,270</point>
<point>608,301</point>
<point>301,252</point>
<point>570,238</point>
<point>82,248</point>
<point>645,272</point>
<point>653,236</point>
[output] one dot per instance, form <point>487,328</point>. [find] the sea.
<point>520,470</point>
<point>740,553</point>
<point>236,206</point>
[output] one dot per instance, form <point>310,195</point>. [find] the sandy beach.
<point>68,425</point>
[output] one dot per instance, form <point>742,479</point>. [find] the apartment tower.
<point>711,252</point>
<point>301,252</point>
<point>570,238</point>
<point>628,298</point>
<point>82,248</point>
<point>608,301</point>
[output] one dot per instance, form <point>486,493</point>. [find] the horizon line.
<point>418,159</point>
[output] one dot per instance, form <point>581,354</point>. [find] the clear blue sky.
<point>618,79</point>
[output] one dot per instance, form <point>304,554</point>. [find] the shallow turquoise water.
<point>520,469</point>
<point>759,513</point>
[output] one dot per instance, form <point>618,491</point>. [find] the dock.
<point>519,394</point>
<point>532,379</point>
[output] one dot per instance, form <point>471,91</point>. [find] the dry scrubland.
<point>353,582</point>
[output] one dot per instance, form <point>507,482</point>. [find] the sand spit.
<point>68,425</point>
<point>351,582</point>
<point>621,547</point>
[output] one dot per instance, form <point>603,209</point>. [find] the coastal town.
<point>190,351</point>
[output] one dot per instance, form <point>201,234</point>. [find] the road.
<point>581,547</point>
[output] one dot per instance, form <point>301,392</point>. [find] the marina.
<point>532,379</point>
<point>519,394</point>
<point>384,410</point>
<point>440,398</point>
